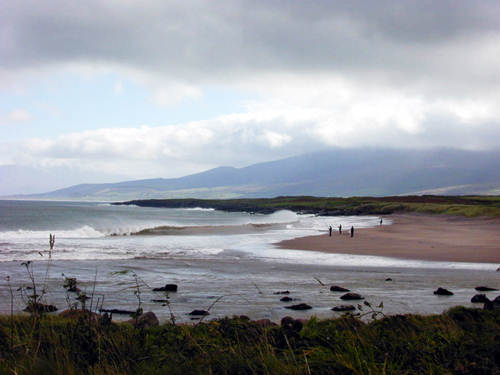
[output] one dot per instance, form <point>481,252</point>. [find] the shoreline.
<point>415,237</point>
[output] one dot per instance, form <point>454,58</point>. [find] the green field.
<point>469,206</point>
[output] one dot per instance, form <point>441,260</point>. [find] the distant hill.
<point>337,172</point>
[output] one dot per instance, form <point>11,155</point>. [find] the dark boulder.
<point>336,288</point>
<point>442,292</point>
<point>146,320</point>
<point>282,292</point>
<point>351,296</point>
<point>388,279</point>
<point>287,321</point>
<point>286,299</point>
<point>492,305</point>
<point>300,306</point>
<point>199,313</point>
<point>484,289</point>
<point>166,288</point>
<point>265,323</point>
<point>479,298</point>
<point>291,324</point>
<point>344,308</point>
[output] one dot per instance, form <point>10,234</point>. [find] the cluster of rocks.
<point>477,298</point>
<point>298,307</point>
<point>481,298</point>
<point>349,296</point>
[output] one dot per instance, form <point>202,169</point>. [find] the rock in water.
<point>344,308</point>
<point>484,289</point>
<point>40,308</point>
<point>336,288</point>
<point>282,292</point>
<point>117,311</point>
<point>442,292</point>
<point>166,288</point>
<point>286,299</point>
<point>351,296</point>
<point>199,313</point>
<point>479,298</point>
<point>300,306</point>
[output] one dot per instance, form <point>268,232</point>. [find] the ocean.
<point>214,256</point>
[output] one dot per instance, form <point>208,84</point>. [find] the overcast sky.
<point>119,89</point>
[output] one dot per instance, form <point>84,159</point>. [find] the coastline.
<point>414,236</point>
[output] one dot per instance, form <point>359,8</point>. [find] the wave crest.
<point>167,230</point>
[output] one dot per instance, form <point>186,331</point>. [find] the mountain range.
<point>334,172</point>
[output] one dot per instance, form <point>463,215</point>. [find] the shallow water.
<point>247,286</point>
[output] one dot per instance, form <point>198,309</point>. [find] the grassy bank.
<point>460,341</point>
<point>469,206</point>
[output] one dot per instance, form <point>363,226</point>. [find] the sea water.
<point>210,254</point>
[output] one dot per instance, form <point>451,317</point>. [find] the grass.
<point>469,206</point>
<point>460,341</point>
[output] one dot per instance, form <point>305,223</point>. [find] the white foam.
<point>320,258</point>
<point>85,231</point>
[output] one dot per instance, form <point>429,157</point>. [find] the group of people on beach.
<point>340,230</point>
<point>330,229</point>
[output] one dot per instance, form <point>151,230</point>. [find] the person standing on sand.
<point>352,231</point>
<point>330,230</point>
<point>340,229</point>
<point>380,221</point>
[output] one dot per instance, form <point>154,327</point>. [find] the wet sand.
<point>415,236</point>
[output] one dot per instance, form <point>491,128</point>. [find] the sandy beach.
<point>415,236</point>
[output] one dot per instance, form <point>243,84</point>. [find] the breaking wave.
<point>209,229</point>
<point>256,223</point>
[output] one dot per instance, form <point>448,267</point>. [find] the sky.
<point>109,90</point>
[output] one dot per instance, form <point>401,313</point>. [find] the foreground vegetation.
<point>452,205</point>
<point>461,341</point>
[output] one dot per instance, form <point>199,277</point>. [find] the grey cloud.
<point>199,40</point>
